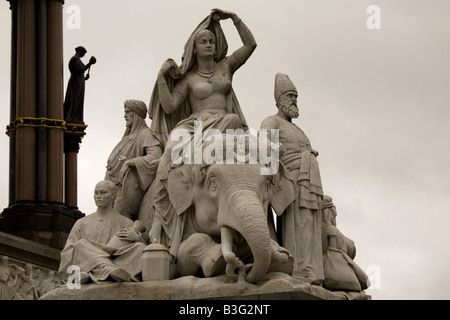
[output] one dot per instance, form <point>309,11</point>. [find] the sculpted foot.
<point>84,277</point>
<point>244,270</point>
<point>120,275</point>
<point>307,276</point>
<point>233,263</point>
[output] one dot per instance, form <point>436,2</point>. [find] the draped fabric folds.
<point>163,123</point>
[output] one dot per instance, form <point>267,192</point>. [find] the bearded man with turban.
<point>138,148</point>
<point>299,228</point>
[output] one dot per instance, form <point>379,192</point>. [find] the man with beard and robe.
<point>138,148</point>
<point>299,227</point>
<point>87,245</point>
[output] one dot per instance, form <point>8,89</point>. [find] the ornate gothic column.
<point>25,160</point>
<point>55,91</point>
<point>37,211</point>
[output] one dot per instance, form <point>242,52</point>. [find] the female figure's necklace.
<point>208,75</point>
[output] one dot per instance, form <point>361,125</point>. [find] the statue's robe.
<point>86,247</point>
<point>142,146</point>
<point>301,222</point>
<point>74,99</point>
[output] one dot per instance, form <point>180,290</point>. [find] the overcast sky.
<point>374,102</point>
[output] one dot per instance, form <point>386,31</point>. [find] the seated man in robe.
<point>87,244</point>
<point>339,276</point>
<point>137,148</point>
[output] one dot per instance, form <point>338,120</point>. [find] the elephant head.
<point>235,196</point>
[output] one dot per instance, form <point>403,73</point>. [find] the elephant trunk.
<point>253,226</point>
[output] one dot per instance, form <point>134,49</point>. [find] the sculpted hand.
<point>155,232</point>
<point>281,148</point>
<point>153,238</point>
<point>153,166</point>
<point>125,167</point>
<point>222,15</point>
<point>169,63</point>
<point>315,153</point>
<point>129,234</point>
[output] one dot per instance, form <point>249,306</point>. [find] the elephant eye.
<point>184,184</point>
<point>212,183</point>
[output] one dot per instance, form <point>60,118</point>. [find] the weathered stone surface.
<point>274,286</point>
<point>21,249</point>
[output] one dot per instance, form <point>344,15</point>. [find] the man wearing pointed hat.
<point>137,149</point>
<point>299,228</point>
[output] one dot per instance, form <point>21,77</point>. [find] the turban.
<point>282,85</point>
<point>137,107</point>
<point>327,201</point>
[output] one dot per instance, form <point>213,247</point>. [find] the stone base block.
<point>47,224</point>
<point>26,251</point>
<point>275,286</point>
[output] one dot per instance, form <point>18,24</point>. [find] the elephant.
<point>225,209</point>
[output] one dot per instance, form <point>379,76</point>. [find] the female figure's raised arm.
<point>249,44</point>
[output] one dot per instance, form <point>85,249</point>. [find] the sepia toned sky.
<point>375,103</point>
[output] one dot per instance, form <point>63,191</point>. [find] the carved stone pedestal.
<point>47,224</point>
<point>26,251</point>
<point>274,286</point>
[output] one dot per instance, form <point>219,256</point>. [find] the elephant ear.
<point>283,189</point>
<point>179,182</point>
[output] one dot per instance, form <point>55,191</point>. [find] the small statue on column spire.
<point>74,100</point>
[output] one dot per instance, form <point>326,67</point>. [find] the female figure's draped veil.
<point>163,123</point>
